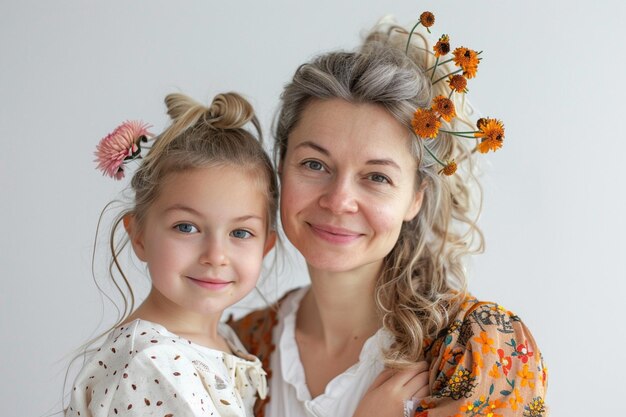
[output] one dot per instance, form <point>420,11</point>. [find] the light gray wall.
<point>554,195</point>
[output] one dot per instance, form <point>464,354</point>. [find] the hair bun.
<point>179,104</point>
<point>230,111</point>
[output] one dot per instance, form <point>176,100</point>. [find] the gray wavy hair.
<point>423,281</point>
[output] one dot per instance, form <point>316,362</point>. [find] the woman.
<point>383,234</point>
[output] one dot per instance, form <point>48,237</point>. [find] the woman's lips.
<point>334,234</point>
<point>210,283</point>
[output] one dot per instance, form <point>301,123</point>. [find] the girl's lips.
<point>333,234</point>
<point>210,284</point>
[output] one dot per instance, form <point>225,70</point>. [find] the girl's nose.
<point>214,253</point>
<point>339,197</point>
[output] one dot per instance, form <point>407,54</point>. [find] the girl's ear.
<point>270,241</point>
<point>135,236</point>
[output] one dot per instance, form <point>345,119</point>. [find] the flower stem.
<point>433,155</point>
<point>450,95</point>
<point>444,62</point>
<point>408,42</point>
<point>452,73</point>
<point>434,69</point>
<point>461,133</point>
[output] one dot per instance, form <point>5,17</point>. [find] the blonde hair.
<point>199,137</point>
<point>423,280</point>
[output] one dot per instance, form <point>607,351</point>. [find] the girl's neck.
<point>198,328</point>
<point>340,307</point>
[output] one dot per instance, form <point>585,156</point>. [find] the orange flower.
<point>442,46</point>
<point>516,399</point>
<point>425,123</point>
<point>427,19</point>
<point>448,170</point>
<point>467,59</point>
<point>445,107</point>
<point>458,83</point>
<point>486,342</point>
<point>494,373</point>
<point>491,131</point>
<point>527,377</point>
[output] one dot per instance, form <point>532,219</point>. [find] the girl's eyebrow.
<point>385,161</point>
<point>195,212</point>
<point>183,208</point>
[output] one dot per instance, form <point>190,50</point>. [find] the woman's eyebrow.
<point>322,150</point>
<point>315,146</point>
<point>386,162</point>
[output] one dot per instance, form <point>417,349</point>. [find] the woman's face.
<point>348,183</point>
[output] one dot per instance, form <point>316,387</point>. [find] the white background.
<point>70,71</point>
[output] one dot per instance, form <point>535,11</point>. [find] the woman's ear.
<point>135,235</point>
<point>416,204</point>
<point>270,241</point>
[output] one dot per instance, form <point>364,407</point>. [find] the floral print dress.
<point>486,363</point>
<point>142,370</point>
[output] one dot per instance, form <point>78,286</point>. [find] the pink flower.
<point>119,146</point>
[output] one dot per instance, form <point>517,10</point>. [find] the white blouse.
<point>143,369</point>
<point>290,396</point>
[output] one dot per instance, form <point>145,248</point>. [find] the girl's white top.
<point>142,369</point>
<point>290,396</point>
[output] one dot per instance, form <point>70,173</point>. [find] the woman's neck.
<point>340,307</point>
<point>199,328</point>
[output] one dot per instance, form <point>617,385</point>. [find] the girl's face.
<point>204,238</point>
<point>348,183</point>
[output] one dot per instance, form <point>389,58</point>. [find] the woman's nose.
<point>339,196</point>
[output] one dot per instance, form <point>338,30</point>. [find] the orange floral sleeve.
<point>485,364</point>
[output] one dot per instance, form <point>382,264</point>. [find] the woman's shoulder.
<point>255,328</point>
<point>487,357</point>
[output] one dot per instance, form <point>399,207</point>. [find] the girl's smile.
<point>204,239</point>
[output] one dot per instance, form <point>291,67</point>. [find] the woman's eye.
<point>379,178</point>
<point>186,228</point>
<point>241,234</point>
<point>314,165</point>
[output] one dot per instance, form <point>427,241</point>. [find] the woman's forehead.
<point>339,126</point>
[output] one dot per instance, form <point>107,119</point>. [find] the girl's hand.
<point>389,391</point>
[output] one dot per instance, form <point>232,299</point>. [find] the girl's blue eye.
<point>314,165</point>
<point>186,228</point>
<point>241,234</point>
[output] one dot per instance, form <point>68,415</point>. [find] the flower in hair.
<point>442,47</point>
<point>449,168</point>
<point>468,60</point>
<point>458,83</point>
<point>491,133</point>
<point>427,19</point>
<point>425,123</point>
<point>445,107</point>
<point>121,146</point>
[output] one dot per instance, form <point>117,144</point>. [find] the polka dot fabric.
<point>144,370</point>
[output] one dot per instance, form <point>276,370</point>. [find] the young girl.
<point>202,220</point>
